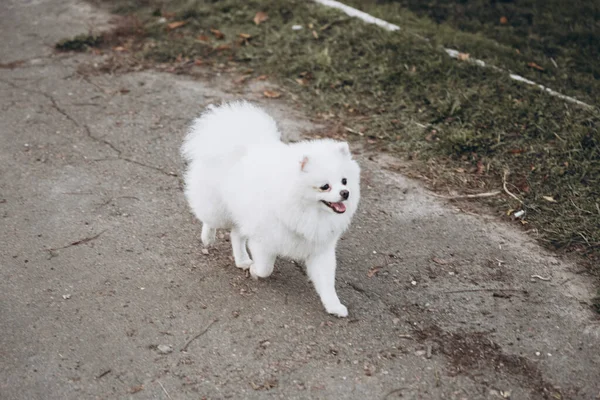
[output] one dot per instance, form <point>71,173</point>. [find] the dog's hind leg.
<point>208,235</point>
<point>240,254</point>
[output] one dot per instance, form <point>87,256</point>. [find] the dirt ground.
<point>105,291</point>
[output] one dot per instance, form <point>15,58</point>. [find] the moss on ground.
<point>470,127</point>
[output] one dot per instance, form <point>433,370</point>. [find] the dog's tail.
<point>223,133</point>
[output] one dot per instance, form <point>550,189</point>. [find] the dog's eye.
<point>325,187</point>
<point>344,181</point>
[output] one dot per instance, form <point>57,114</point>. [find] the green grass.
<point>387,85</point>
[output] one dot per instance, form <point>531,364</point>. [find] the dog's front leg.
<point>263,260</point>
<point>321,271</point>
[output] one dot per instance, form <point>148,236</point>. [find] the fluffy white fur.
<point>270,194</point>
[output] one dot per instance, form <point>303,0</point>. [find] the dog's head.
<point>331,178</point>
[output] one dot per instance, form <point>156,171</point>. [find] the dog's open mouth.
<point>339,208</point>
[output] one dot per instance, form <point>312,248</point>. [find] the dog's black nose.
<point>345,194</point>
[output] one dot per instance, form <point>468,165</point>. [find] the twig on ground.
<point>108,371</point>
<point>78,242</point>
<point>184,348</point>
<point>164,390</point>
<point>540,277</point>
<point>391,392</point>
<point>353,131</point>
<point>469,196</point>
<point>486,290</point>
<point>508,192</point>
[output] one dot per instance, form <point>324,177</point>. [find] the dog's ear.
<point>343,148</point>
<point>303,163</point>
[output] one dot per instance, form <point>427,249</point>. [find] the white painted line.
<point>353,12</point>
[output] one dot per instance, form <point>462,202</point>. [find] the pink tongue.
<point>338,207</point>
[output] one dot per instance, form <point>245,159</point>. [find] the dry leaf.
<point>301,81</point>
<point>245,36</point>
<point>203,38</point>
<point>124,91</point>
<point>480,168</point>
<point>549,198</point>
<point>218,34</point>
<point>260,17</point>
<point>223,47</point>
<point>271,94</point>
<point>119,48</point>
<point>198,62</point>
<point>460,170</point>
<point>176,24</point>
<point>261,78</point>
<point>503,20</point>
<point>373,271</point>
<point>136,389</point>
<point>463,56</point>
<point>439,261</point>
<point>315,34</point>
<point>242,79</point>
<point>535,66</point>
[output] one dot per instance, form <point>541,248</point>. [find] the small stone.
<point>395,321</point>
<point>537,353</point>
<point>164,349</point>
<point>259,320</point>
<point>204,251</point>
<point>414,283</point>
<point>66,296</point>
<point>296,27</point>
<point>265,344</point>
<point>420,353</point>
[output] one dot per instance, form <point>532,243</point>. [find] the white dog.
<point>290,200</point>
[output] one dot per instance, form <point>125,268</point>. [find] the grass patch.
<point>560,36</point>
<point>466,125</point>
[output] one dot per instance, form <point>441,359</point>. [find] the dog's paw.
<point>338,310</point>
<point>244,264</point>
<point>254,273</point>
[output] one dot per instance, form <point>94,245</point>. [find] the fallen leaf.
<point>315,34</point>
<point>261,78</point>
<point>535,66</point>
<point>176,24</point>
<point>124,91</point>
<point>373,271</point>
<point>463,56</point>
<point>439,261</point>
<point>503,20</point>
<point>242,79</point>
<point>549,198</point>
<point>460,170</point>
<point>198,62</point>
<point>301,81</point>
<point>245,36</point>
<point>119,48</point>
<point>218,34</point>
<point>516,151</point>
<point>136,389</point>
<point>260,17</point>
<point>223,47</point>
<point>480,168</point>
<point>271,94</point>
<point>203,38</point>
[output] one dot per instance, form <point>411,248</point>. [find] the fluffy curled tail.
<point>223,132</point>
